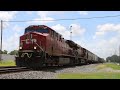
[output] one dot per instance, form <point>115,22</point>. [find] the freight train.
<point>42,46</point>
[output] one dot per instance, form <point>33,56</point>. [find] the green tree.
<point>107,59</point>
<point>4,52</point>
<point>14,52</point>
<point>113,58</point>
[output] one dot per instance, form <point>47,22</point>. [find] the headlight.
<point>34,47</point>
<point>20,47</point>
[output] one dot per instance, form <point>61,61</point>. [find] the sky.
<point>99,35</point>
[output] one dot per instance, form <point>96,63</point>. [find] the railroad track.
<point>12,69</point>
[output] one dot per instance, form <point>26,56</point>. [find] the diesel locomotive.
<point>42,46</point>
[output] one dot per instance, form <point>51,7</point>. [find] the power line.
<point>64,19</point>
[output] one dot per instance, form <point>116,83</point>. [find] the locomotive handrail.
<point>39,47</point>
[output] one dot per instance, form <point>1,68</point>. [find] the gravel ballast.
<point>50,73</point>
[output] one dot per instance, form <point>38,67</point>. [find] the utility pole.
<point>1,41</point>
<point>70,32</point>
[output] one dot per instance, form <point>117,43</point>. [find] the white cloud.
<point>43,18</point>
<point>17,28</point>
<point>62,30</point>
<point>83,12</point>
<point>100,33</point>
<point>106,28</point>
<point>113,40</point>
<point>47,13</point>
<point>6,16</point>
<point>77,30</point>
<point>106,47</point>
<point>81,42</point>
<point>11,43</point>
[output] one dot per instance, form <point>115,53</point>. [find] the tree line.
<point>113,58</point>
<point>14,52</point>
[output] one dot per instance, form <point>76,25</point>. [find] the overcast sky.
<point>99,35</point>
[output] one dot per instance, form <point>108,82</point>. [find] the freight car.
<point>42,46</point>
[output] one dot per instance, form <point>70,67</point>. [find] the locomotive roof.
<point>44,34</point>
<point>43,26</point>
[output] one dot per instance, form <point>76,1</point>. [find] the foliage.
<point>14,52</point>
<point>113,58</point>
<point>4,52</point>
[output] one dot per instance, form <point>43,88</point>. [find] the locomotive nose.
<point>33,41</point>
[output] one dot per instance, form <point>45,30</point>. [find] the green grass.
<point>7,63</point>
<point>101,66</point>
<point>100,75</point>
<point>96,75</point>
<point>109,65</point>
<point>113,66</point>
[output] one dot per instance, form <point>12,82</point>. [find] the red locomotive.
<point>42,46</point>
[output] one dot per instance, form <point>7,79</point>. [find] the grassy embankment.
<point>7,63</point>
<point>100,75</point>
<point>96,75</point>
<point>109,65</point>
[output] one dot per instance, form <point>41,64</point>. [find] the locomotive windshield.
<point>40,31</point>
<point>36,29</point>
